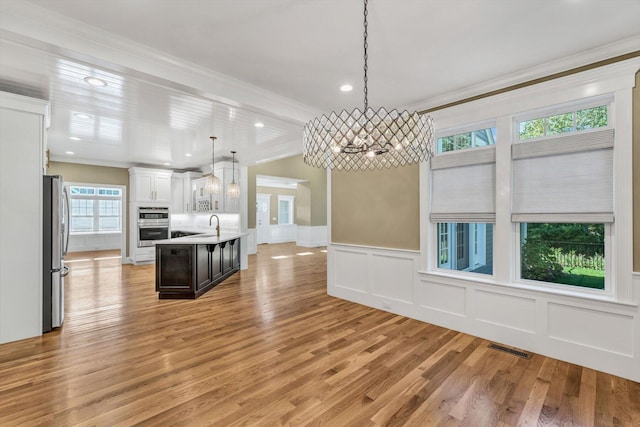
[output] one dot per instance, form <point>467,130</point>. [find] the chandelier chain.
<point>366,56</point>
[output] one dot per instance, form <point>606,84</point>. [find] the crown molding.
<point>55,32</point>
<point>581,59</point>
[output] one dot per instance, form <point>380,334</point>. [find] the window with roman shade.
<point>463,186</point>
<point>566,178</point>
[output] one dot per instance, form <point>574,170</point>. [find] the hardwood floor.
<point>268,347</point>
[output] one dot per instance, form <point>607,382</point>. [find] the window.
<point>463,200</point>
<point>466,247</point>
<point>569,254</point>
<point>560,201</point>
<point>95,209</point>
<point>574,121</point>
<point>461,141</point>
<point>285,210</point>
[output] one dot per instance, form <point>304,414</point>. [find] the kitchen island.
<point>189,266</point>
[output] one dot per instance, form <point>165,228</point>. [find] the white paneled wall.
<point>596,334</point>
<point>311,236</point>
<point>305,236</point>
<point>281,233</point>
<point>94,242</point>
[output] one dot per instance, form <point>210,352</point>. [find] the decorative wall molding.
<point>309,236</point>
<point>41,29</point>
<point>252,247</point>
<point>592,56</point>
<point>94,242</point>
<point>282,233</point>
<point>595,334</point>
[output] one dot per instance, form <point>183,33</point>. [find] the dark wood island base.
<point>186,271</point>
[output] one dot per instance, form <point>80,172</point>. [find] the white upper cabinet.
<point>183,192</point>
<point>150,185</point>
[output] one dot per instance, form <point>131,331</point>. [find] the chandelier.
<point>212,186</point>
<point>233,189</point>
<point>367,139</point>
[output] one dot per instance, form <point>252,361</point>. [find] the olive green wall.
<point>303,204</point>
<point>291,167</point>
<point>273,208</point>
<point>376,208</point>
<point>75,172</point>
<point>636,174</point>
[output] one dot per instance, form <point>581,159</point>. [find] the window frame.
<point>291,210</point>
<point>96,198</point>
<point>608,290</point>
<point>452,251</point>
<point>507,118</point>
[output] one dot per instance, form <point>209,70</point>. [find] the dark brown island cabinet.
<point>186,271</point>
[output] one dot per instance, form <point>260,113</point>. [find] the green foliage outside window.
<point>589,118</point>
<point>538,262</point>
<point>461,141</point>
<point>571,254</point>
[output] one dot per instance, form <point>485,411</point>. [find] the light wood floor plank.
<point>268,347</point>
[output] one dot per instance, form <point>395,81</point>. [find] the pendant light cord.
<point>366,68</point>
<point>213,140</point>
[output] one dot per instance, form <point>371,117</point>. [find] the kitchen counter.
<point>189,266</point>
<point>203,237</point>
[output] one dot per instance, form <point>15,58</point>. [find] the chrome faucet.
<point>218,224</point>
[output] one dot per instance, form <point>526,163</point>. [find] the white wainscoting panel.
<point>280,233</point>
<point>311,236</point>
<point>507,311</point>
<point>392,277</point>
<point>597,329</point>
<point>442,297</point>
<point>601,335</point>
<point>252,247</point>
<point>94,242</point>
<point>351,270</point>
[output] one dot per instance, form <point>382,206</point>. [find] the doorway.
<point>263,213</point>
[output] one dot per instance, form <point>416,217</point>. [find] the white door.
<point>262,217</point>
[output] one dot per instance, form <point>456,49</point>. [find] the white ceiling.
<point>179,71</point>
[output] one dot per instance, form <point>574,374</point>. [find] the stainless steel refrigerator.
<point>56,241</point>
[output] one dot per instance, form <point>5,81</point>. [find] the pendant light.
<point>212,185</point>
<point>233,189</point>
<point>367,139</point>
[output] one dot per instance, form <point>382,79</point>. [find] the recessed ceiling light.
<point>71,153</point>
<point>167,164</point>
<point>187,154</point>
<point>74,138</point>
<point>94,81</point>
<point>259,124</point>
<point>346,88</point>
<point>82,115</point>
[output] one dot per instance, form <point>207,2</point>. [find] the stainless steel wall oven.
<point>153,224</point>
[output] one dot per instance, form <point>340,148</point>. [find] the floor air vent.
<point>518,353</point>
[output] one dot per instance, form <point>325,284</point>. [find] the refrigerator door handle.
<point>67,223</point>
<point>65,271</point>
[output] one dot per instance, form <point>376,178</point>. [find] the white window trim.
<point>290,199</point>
<point>614,81</point>
<point>121,198</point>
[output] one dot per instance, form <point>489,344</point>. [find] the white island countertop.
<point>207,237</point>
